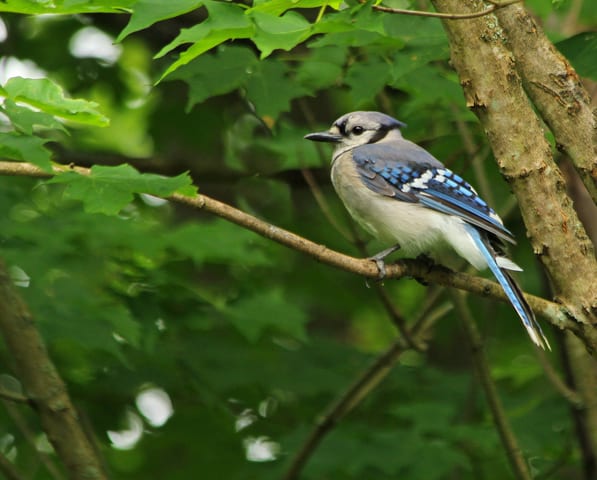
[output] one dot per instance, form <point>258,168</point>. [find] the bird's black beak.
<point>324,137</point>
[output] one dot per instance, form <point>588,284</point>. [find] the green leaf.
<point>218,242</point>
<point>277,7</point>
<point>24,119</point>
<point>108,189</point>
<point>39,7</point>
<point>263,89</point>
<point>413,31</point>
<point>323,68</point>
<point>366,79</point>
<point>254,315</point>
<point>266,197</point>
<point>357,18</point>
<point>283,32</point>
<point>48,97</point>
<point>581,50</point>
<point>225,22</point>
<point>430,85</point>
<point>290,150</point>
<point>123,323</point>
<point>25,148</point>
<point>409,59</point>
<point>212,75</point>
<point>148,12</point>
<point>103,318</point>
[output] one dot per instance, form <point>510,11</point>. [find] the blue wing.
<point>412,174</point>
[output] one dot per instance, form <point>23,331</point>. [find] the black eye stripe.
<point>342,127</point>
<point>380,133</point>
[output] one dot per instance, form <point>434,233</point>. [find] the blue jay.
<point>407,198</point>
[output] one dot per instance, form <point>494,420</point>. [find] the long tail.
<point>511,289</point>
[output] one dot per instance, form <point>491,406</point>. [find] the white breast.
<point>417,229</point>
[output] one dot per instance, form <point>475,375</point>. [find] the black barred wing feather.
<point>426,182</point>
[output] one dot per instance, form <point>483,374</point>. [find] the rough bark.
<point>555,89</point>
<point>494,92</point>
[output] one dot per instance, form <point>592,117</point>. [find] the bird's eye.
<point>357,130</point>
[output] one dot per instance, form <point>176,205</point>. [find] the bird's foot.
<point>378,258</point>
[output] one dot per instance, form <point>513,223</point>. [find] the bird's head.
<point>358,128</point>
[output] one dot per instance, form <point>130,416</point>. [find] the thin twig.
<point>557,382</point>
<point>361,387</point>
<point>395,315</point>
<point>351,236</point>
<point>562,460</point>
<point>446,16</point>
<point>355,393</point>
<point>397,319</point>
<point>509,441</point>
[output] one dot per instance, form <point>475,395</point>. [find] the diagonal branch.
<point>558,315</point>
<point>509,441</point>
<point>361,387</point>
<point>44,386</point>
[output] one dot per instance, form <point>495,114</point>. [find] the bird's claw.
<point>381,267</point>
<point>379,261</point>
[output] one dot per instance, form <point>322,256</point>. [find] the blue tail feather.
<point>511,289</point>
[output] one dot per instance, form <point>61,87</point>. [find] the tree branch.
<point>556,91</point>
<point>569,394</point>
<point>445,16</point>
<point>583,374</point>
<point>44,386</point>
<point>557,314</point>
<point>509,441</point>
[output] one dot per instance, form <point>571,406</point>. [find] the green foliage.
<point>148,12</point>
<point>25,148</point>
<point>250,341</point>
<point>62,7</point>
<point>48,97</point>
<point>30,103</point>
<point>109,189</point>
